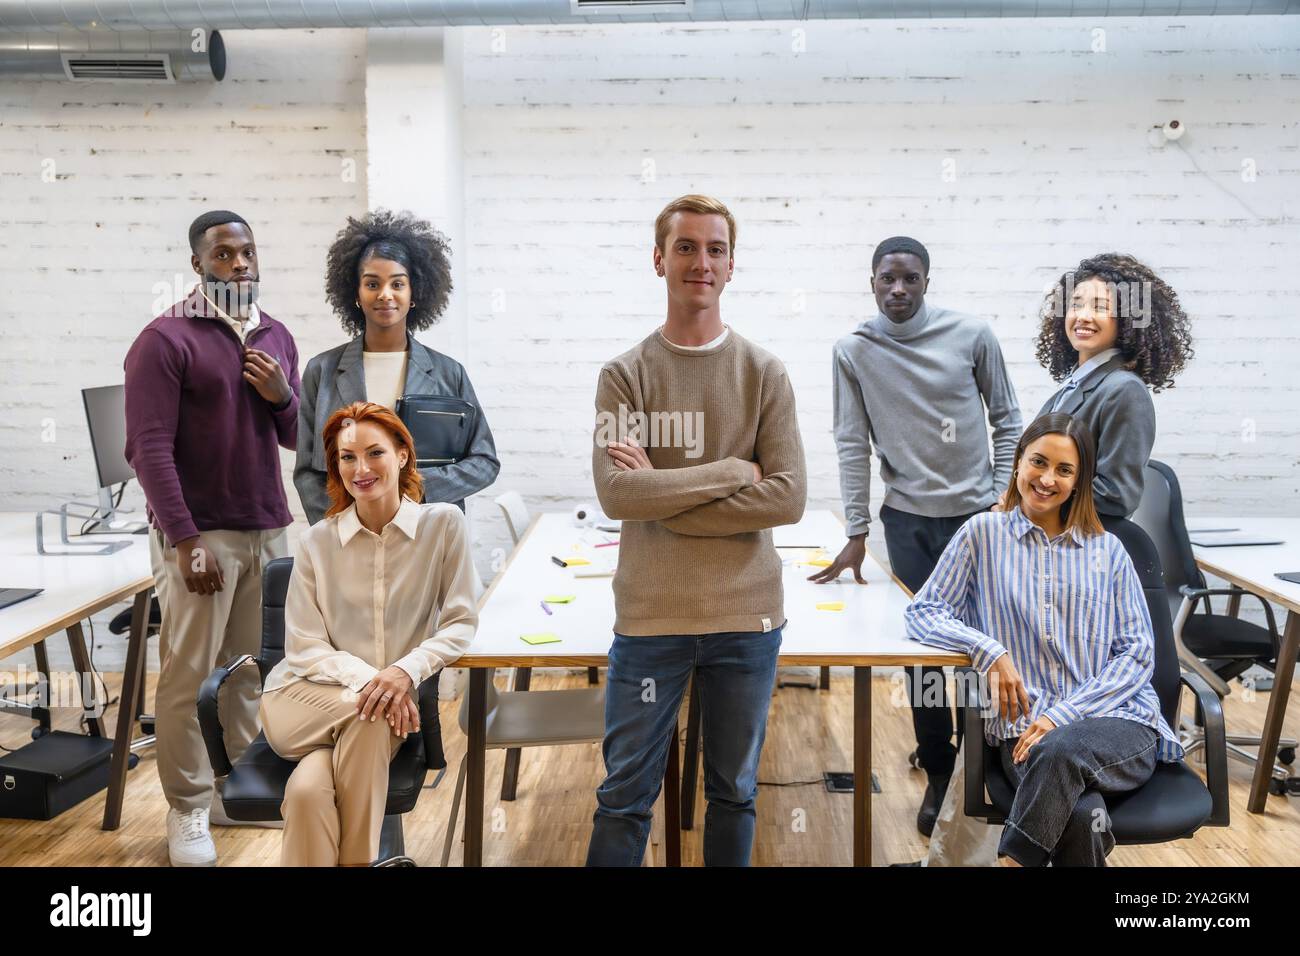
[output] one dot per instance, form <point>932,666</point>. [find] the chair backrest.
<point>1166,676</point>
<point>275,587</point>
<point>1160,515</point>
<point>516,512</point>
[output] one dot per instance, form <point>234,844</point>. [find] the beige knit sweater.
<point>696,555</point>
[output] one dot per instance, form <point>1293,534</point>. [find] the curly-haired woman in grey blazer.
<point>1111,328</point>
<point>387,275</point>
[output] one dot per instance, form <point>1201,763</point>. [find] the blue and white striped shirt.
<point>1070,612</point>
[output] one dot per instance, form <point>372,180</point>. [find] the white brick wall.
<point>574,138</point>
<point>824,152</point>
<point>79,257</point>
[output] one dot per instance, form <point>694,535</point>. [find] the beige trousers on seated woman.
<point>334,801</point>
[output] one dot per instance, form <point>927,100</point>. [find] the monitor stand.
<point>102,512</point>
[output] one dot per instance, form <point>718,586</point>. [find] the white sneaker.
<point>188,841</point>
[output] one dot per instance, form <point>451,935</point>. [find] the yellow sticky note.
<point>818,563</point>
<point>545,637</point>
<point>575,562</point>
<point>831,606</point>
<point>559,598</point>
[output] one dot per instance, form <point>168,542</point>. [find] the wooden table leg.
<point>510,779</point>
<point>475,754</point>
<point>690,772</point>
<point>1276,712</point>
<point>672,803</point>
<point>862,766</point>
<point>132,687</point>
<point>824,682</point>
<point>41,712</point>
<point>89,699</point>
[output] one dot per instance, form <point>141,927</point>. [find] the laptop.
<point>1231,539</point>
<point>14,595</point>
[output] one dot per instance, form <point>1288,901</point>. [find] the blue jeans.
<point>1059,812</point>
<point>647,678</point>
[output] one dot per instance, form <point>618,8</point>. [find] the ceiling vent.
<point>118,67</point>
<point>640,7</point>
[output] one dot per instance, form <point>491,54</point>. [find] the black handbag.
<point>442,426</point>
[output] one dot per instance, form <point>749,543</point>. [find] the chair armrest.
<point>431,724</point>
<point>969,686</point>
<point>214,738</point>
<point>1216,746</point>
<point>1195,594</point>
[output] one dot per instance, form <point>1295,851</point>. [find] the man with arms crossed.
<point>211,397</point>
<point>698,587</point>
<point>916,379</point>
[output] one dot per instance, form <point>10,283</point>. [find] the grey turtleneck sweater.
<point>918,390</point>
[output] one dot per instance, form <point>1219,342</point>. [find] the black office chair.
<point>1174,803</point>
<point>1219,647</point>
<point>254,787</point>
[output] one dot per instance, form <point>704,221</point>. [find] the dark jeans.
<point>915,544</point>
<point>647,679</point>
<point>1059,813</point>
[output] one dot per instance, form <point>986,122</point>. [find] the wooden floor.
<point>799,823</point>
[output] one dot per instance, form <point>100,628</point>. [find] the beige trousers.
<point>334,801</point>
<point>198,633</point>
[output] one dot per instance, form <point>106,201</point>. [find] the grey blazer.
<point>337,378</point>
<point>1117,408</point>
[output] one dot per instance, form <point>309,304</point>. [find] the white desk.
<point>75,588</point>
<point>868,632</point>
<point>1253,569</point>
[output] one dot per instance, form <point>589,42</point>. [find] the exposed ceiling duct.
<point>170,56</point>
<point>25,16</point>
<point>177,40</point>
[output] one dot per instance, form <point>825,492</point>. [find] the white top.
<point>385,374</point>
<point>241,329</point>
<point>359,602</point>
<point>700,348</point>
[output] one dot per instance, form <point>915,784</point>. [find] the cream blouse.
<point>359,601</point>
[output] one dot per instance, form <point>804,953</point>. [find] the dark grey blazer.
<point>337,378</point>
<point>1117,408</point>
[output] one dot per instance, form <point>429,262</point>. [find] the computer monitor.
<point>106,417</point>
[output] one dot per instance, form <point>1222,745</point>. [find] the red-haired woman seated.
<point>370,584</point>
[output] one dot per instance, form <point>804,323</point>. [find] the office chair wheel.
<point>1293,786</point>
<point>39,732</point>
<point>1279,787</point>
<point>147,727</point>
<point>1286,756</point>
<point>914,760</point>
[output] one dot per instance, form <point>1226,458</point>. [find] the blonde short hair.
<point>705,206</point>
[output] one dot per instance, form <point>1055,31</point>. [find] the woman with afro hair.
<point>1111,328</point>
<point>387,275</point>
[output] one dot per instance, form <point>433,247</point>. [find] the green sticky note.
<point>560,598</point>
<point>544,638</point>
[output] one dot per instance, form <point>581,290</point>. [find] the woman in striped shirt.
<point>1048,606</point>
